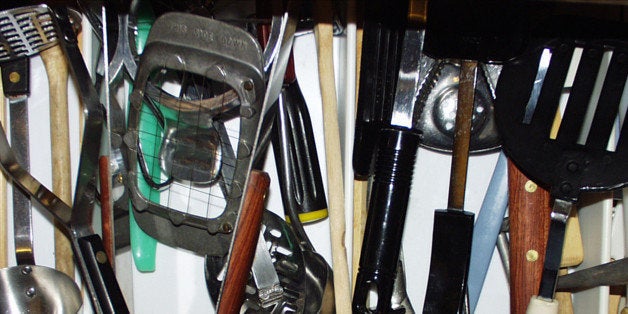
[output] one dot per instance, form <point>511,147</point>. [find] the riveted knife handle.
<point>529,212</point>
<point>101,275</point>
<point>387,210</point>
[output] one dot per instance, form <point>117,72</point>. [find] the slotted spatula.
<point>577,160</point>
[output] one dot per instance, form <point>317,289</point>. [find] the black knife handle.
<point>387,211</point>
<point>99,273</point>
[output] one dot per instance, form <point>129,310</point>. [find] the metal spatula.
<point>577,159</point>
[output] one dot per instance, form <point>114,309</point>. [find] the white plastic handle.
<point>542,306</point>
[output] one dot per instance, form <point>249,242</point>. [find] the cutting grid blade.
<point>193,153</point>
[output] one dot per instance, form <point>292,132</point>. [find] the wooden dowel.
<point>57,72</point>
<point>324,38</point>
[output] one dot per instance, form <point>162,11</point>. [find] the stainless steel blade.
<point>408,80</point>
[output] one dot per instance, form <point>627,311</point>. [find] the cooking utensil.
<point>360,187</point>
<point>565,164</point>
<point>143,246</point>
<point>16,87</point>
<point>295,152</point>
<point>608,274</point>
<point>26,287</point>
<point>38,289</point>
<point>528,207</point>
<point>467,31</point>
<point>276,283</point>
<point>487,228</point>
<point>171,34</point>
<point>295,185</point>
<point>4,261</point>
<point>324,47</point>
<point>87,246</point>
<point>447,246</point>
<point>439,97</point>
<point>244,242</point>
<point>398,143</point>
<point>57,72</point>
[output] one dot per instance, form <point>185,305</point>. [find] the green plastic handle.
<point>143,246</point>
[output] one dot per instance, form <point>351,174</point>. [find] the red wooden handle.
<point>529,211</point>
<point>105,207</point>
<point>244,242</point>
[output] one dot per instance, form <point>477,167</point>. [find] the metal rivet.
<point>14,77</point>
<point>566,188</point>
<point>530,186</point>
<point>573,166</point>
<point>248,85</point>
<point>26,270</point>
<point>226,227</point>
<point>532,256</point>
<point>30,292</point>
<point>101,257</point>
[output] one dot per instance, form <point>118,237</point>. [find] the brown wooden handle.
<point>57,72</point>
<point>106,211</point>
<point>244,242</point>
<point>529,211</point>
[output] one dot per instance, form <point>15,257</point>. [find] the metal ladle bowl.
<point>38,289</point>
<point>438,117</point>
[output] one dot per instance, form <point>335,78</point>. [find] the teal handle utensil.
<point>143,246</point>
<point>486,231</point>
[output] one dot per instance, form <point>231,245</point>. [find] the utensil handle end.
<point>542,306</point>
<point>387,210</point>
<point>98,270</point>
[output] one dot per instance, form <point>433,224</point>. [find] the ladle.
<point>28,288</point>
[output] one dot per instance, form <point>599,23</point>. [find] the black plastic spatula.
<point>586,154</point>
<point>468,32</point>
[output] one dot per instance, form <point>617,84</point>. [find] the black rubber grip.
<point>387,211</point>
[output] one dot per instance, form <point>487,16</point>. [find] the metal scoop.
<point>38,289</point>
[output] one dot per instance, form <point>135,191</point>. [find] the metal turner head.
<point>25,31</point>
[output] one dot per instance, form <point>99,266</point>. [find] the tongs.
<point>93,263</point>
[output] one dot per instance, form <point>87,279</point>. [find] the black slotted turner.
<point>527,100</point>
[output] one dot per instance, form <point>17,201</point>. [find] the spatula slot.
<point>607,109</point>
<point>553,84</point>
<point>567,87</point>
<point>581,108</point>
